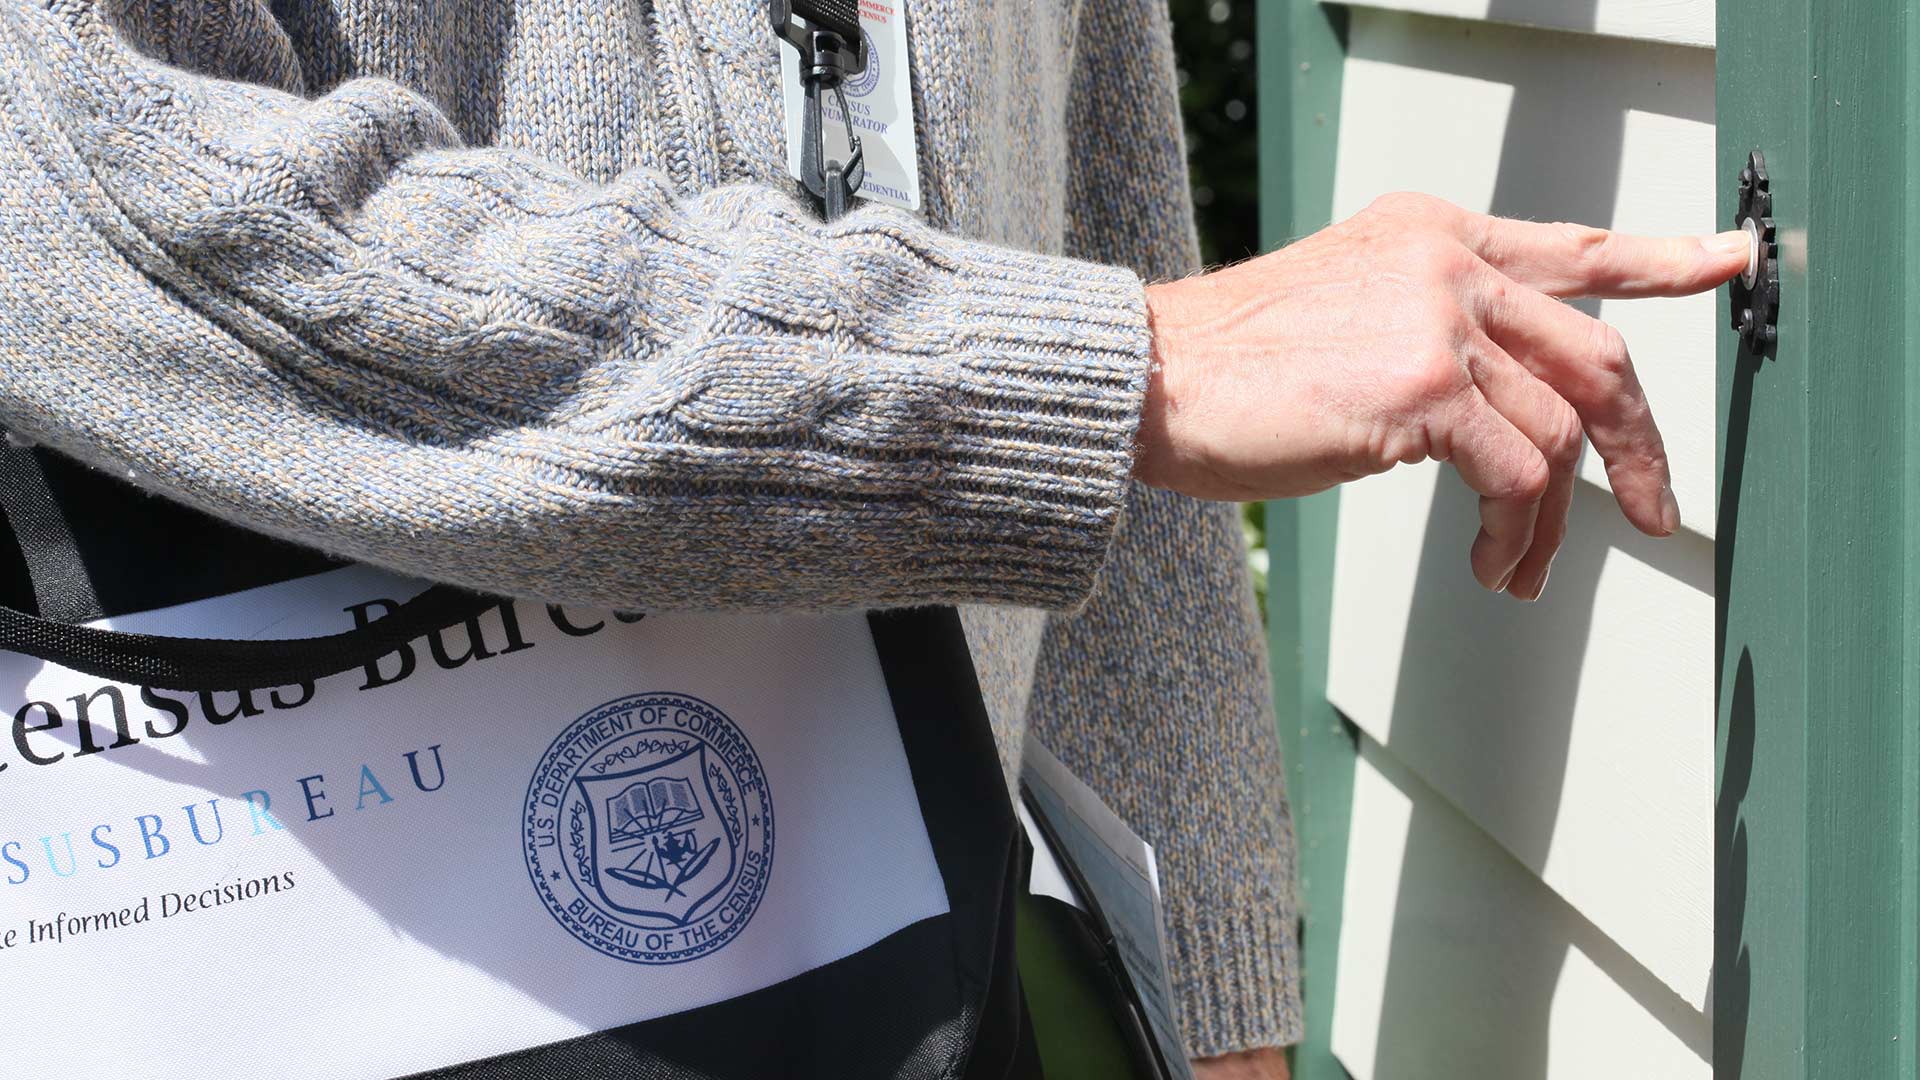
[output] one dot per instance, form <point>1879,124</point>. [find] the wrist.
<point>1153,443</point>
<point>1262,1063</point>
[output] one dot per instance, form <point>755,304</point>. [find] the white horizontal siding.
<point>1456,962</point>
<point>1530,883</point>
<point>1577,732</point>
<point>1553,126</point>
<point>1676,22</point>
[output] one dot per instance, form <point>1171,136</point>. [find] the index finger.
<point>1562,259</point>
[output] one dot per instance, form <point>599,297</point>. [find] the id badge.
<point>880,100</point>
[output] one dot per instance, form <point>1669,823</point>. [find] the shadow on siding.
<point>1560,160</point>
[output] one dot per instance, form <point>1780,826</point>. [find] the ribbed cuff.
<point>1236,974</point>
<point>1033,473</point>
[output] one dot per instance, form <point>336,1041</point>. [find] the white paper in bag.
<point>572,823</point>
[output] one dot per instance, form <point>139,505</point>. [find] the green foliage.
<point>1213,42</point>
<point>1253,522</point>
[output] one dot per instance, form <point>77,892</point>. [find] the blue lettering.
<point>439,770</point>
<point>47,843</point>
<point>194,824</point>
<point>370,786</point>
<point>258,809</point>
<point>99,843</point>
<point>24,872</point>
<point>314,797</point>
<point>148,836</point>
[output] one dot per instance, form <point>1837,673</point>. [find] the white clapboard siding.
<point>1554,126</point>
<point>1677,22</point>
<point>1578,732</point>
<point>1456,962</point>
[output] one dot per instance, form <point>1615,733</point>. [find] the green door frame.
<point>1301,51</point>
<point>1817,817</point>
<point>1818,761</point>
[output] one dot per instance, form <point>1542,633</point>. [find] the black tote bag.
<point>603,887</point>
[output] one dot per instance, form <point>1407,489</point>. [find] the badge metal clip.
<point>826,33</point>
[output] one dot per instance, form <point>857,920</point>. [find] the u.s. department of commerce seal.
<point>648,829</point>
<point>862,84</point>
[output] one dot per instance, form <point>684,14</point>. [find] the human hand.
<point>1269,1063</point>
<point>1417,330</point>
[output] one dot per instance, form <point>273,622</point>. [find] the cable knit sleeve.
<point>327,319</point>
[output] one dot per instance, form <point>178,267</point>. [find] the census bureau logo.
<point>862,84</point>
<point>648,829</point>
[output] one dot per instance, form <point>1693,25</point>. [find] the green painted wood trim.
<point>1818,756</point>
<point>1320,750</point>
<point>1302,49</point>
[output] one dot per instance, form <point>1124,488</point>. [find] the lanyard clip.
<point>826,33</point>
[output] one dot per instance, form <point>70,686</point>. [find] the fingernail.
<point>1727,243</point>
<point>1532,594</point>
<point>1506,580</point>
<point>1669,511</point>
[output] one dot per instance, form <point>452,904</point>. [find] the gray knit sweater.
<point>515,294</point>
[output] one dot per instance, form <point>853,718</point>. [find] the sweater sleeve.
<point>328,320</point>
<point>1159,694</point>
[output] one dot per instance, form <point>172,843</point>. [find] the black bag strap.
<point>170,663</point>
<point>62,589</point>
<point>63,592</point>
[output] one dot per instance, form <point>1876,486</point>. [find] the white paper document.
<point>1119,871</point>
<point>563,823</point>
